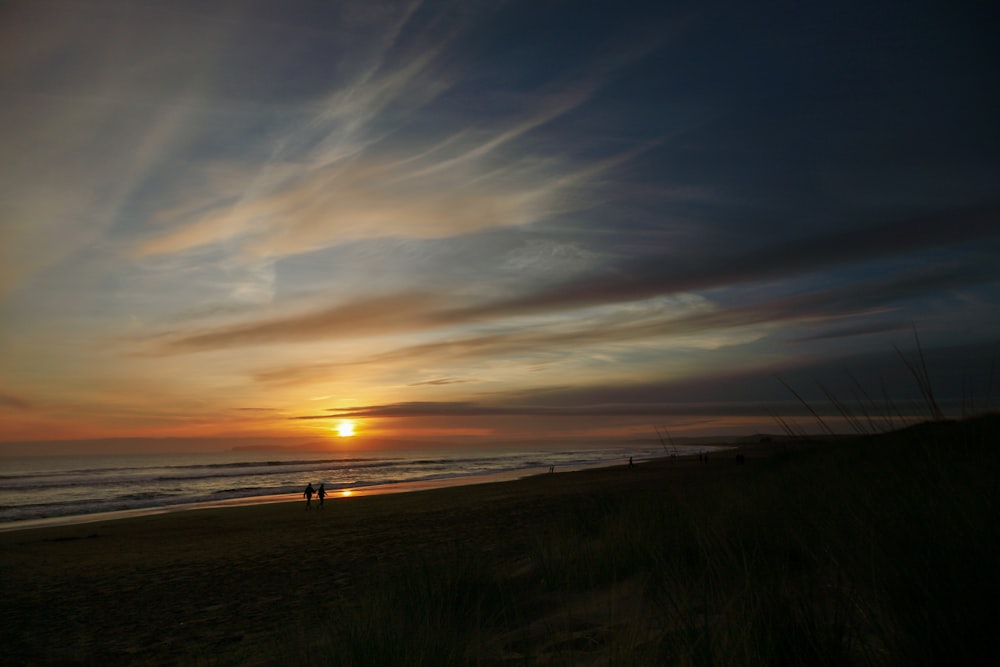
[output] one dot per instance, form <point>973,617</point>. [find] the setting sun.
<point>345,429</point>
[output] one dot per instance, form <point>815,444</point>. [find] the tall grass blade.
<point>843,409</point>
<point>919,372</point>
<point>868,409</point>
<point>808,407</point>
<point>785,426</point>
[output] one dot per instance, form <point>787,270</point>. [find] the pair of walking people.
<point>319,493</point>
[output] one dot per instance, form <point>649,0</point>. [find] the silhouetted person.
<point>308,493</point>
<point>321,494</point>
<point>630,462</point>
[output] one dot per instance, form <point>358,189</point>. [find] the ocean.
<point>50,489</point>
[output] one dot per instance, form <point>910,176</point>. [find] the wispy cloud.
<point>83,137</point>
<point>359,200</point>
<point>400,312</point>
<point>424,409</point>
<point>440,382</point>
<point>415,312</point>
<point>656,274</point>
<point>13,402</point>
<point>853,309</point>
<point>717,394</point>
<point>350,167</point>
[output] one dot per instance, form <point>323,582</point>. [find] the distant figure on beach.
<point>552,469</point>
<point>321,494</point>
<point>630,462</point>
<point>308,493</point>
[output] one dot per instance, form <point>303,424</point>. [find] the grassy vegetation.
<point>880,550</point>
<point>876,549</point>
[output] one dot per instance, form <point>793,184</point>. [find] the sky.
<point>473,220</point>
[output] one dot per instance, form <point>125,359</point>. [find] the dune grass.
<point>870,550</point>
<point>880,550</point>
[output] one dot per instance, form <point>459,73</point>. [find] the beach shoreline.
<point>161,588</point>
<point>334,494</point>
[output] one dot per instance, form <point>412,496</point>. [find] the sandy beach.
<point>825,553</point>
<point>162,589</point>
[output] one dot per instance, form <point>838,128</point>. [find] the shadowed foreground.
<point>880,550</point>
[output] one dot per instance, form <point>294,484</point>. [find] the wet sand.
<point>165,588</point>
<point>334,493</point>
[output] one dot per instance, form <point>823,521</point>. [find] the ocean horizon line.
<point>334,494</point>
<point>39,491</point>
